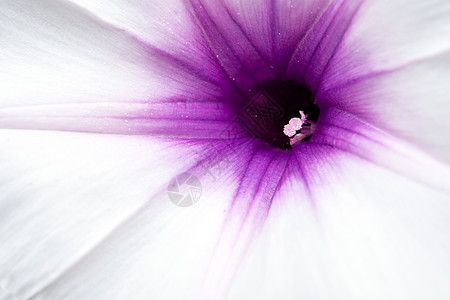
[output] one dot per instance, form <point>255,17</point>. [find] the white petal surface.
<point>54,52</point>
<point>369,234</point>
<point>357,231</point>
<point>385,35</point>
<point>167,25</point>
<point>61,194</point>
<point>85,216</point>
<point>392,68</point>
<point>100,226</point>
<point>412,103</point>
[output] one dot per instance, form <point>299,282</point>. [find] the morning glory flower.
<point>314,134</point>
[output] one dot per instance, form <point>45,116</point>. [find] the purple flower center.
<point>271,105</point>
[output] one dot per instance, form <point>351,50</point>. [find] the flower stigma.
<point>280,113</point>
<point>299,129</point>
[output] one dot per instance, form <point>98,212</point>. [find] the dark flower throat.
<point>272,105</point>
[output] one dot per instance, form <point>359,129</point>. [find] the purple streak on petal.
<point>293,20</point>
<point>259,174</point>
<point>333,39</point>
<point>234,20</point>
<point>216,157</point>
<point>271,10</point>
<point>309,167</point>
<point>345,133</point>
<point>353,93</point>
<point>306,48</point>
<point>175,119</point>
<point>235,52</point>
<point>260,171</point>
<point>274,27</point>
<point>313,53</point>
<point>192,54</point>
<point>209,72</point>
<point>260,180</point>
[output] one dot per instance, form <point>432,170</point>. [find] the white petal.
<point>167,25</point>
<point>385,35</point>
<point>56,53</point>
<point>253,30</point>
<point>392,69</point>
<point>346,229</point>
<point>61,194</point>
<point>411,102</point>
<point>368,234</point>
<point>356,235</point>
